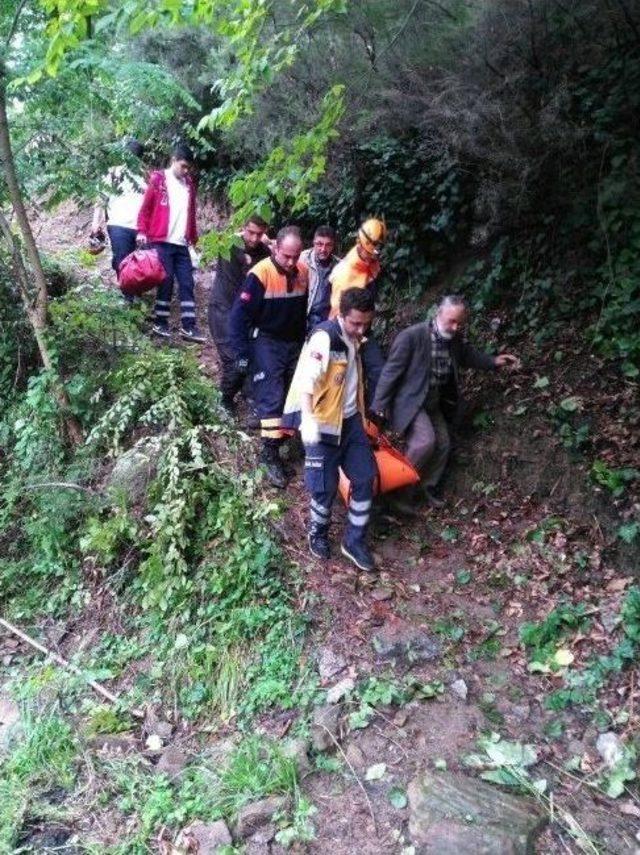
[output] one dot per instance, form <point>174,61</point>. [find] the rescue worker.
<point>267,328</point>
<point>167,222</point>
<point>326,400</point>
<point>360,268</point>
<point>320,260</point>
<point>226,285</point>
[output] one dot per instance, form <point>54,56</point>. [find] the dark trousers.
<point>123,243</point>
<point>372,365</point>
<point>272,364</point>
<point>176,261</point>
<point>231,381</point>
<point>321,474</point>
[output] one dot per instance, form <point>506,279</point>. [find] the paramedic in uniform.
<point>267,328</point>
<point>360,268</point>
<point>326,401</point>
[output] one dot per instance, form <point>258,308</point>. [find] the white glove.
<point>309,430</point>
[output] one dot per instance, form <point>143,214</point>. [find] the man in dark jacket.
<point>422,368</point>
<point>225,287</point>
<point>267,327</point>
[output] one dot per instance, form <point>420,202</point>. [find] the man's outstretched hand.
<point>506,360</point>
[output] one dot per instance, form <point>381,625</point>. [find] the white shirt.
<point>178,192</point>
<point>125,198</point>
<point>315,364</point>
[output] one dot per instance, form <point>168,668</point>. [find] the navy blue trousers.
<point>355,457</point>
<point>176,261</point>
<point>272,364</point>
<point>123,243</point>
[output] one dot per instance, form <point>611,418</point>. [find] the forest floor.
<point>425,661</point>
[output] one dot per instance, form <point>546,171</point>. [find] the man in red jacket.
<point>167,222</point>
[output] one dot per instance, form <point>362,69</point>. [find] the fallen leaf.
<point>630,809</point>
<point>375,772</point>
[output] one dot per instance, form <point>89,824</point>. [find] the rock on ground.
<point>325,724</point>
<point>205,838</point>
<point>9,716</point>
<point>453,813</point>
<point>330,663</point>
<point>253,816</point>
<point>172,762</point>
<point>296,749</point>
<point>134,470</point>
<point>403,642</point>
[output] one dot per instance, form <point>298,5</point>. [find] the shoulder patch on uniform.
<point>245,296</point>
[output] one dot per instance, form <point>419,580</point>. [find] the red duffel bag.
<point>140,271</point>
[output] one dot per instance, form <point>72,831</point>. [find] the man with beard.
<point>320,260</point>
<point>225,287</point>
<point>420,376</point>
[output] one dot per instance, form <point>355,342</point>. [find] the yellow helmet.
<point>372,235</point>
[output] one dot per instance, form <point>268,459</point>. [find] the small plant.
<point>503,762</point>
<point>450,628</point>
<point>543,639</point>
<point>614,480</point>
<point>581,687</point>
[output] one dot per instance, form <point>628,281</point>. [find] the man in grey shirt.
<point>421,371</point>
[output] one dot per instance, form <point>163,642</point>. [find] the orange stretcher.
<point>394,470</point>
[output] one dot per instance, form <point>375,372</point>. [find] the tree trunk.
<point>35,302</point>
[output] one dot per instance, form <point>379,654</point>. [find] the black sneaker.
<point>252,421</point>
<point>359,554</point>
<point>193,334</point>
<point>161,330</point>
<point>319,543</point>
<point>276,475</point>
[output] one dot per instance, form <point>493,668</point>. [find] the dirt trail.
<point>464,578</point>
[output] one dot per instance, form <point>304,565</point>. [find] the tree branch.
<point>14,23</point>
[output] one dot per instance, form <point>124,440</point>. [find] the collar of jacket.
<point>289,274</point>
<point>345,338</point>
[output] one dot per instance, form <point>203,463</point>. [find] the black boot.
<point>228,405</point>
<point>318,537</point>
<point>270,458</point>
<point>354,547</point>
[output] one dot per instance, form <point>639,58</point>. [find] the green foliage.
<point>614,480</point>
<point>17,352</point>
<point>581,687</point>
<point>542,639</point>
<point>104,539</point>
<point>41,756</point>
<point>567,418</point>
<point>374,692</point>
<point>505,763</point>
<point>256,769</point>
<point>284,179</point>
<point>420,197</point>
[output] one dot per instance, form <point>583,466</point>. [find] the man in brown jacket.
<point>419,375</point>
